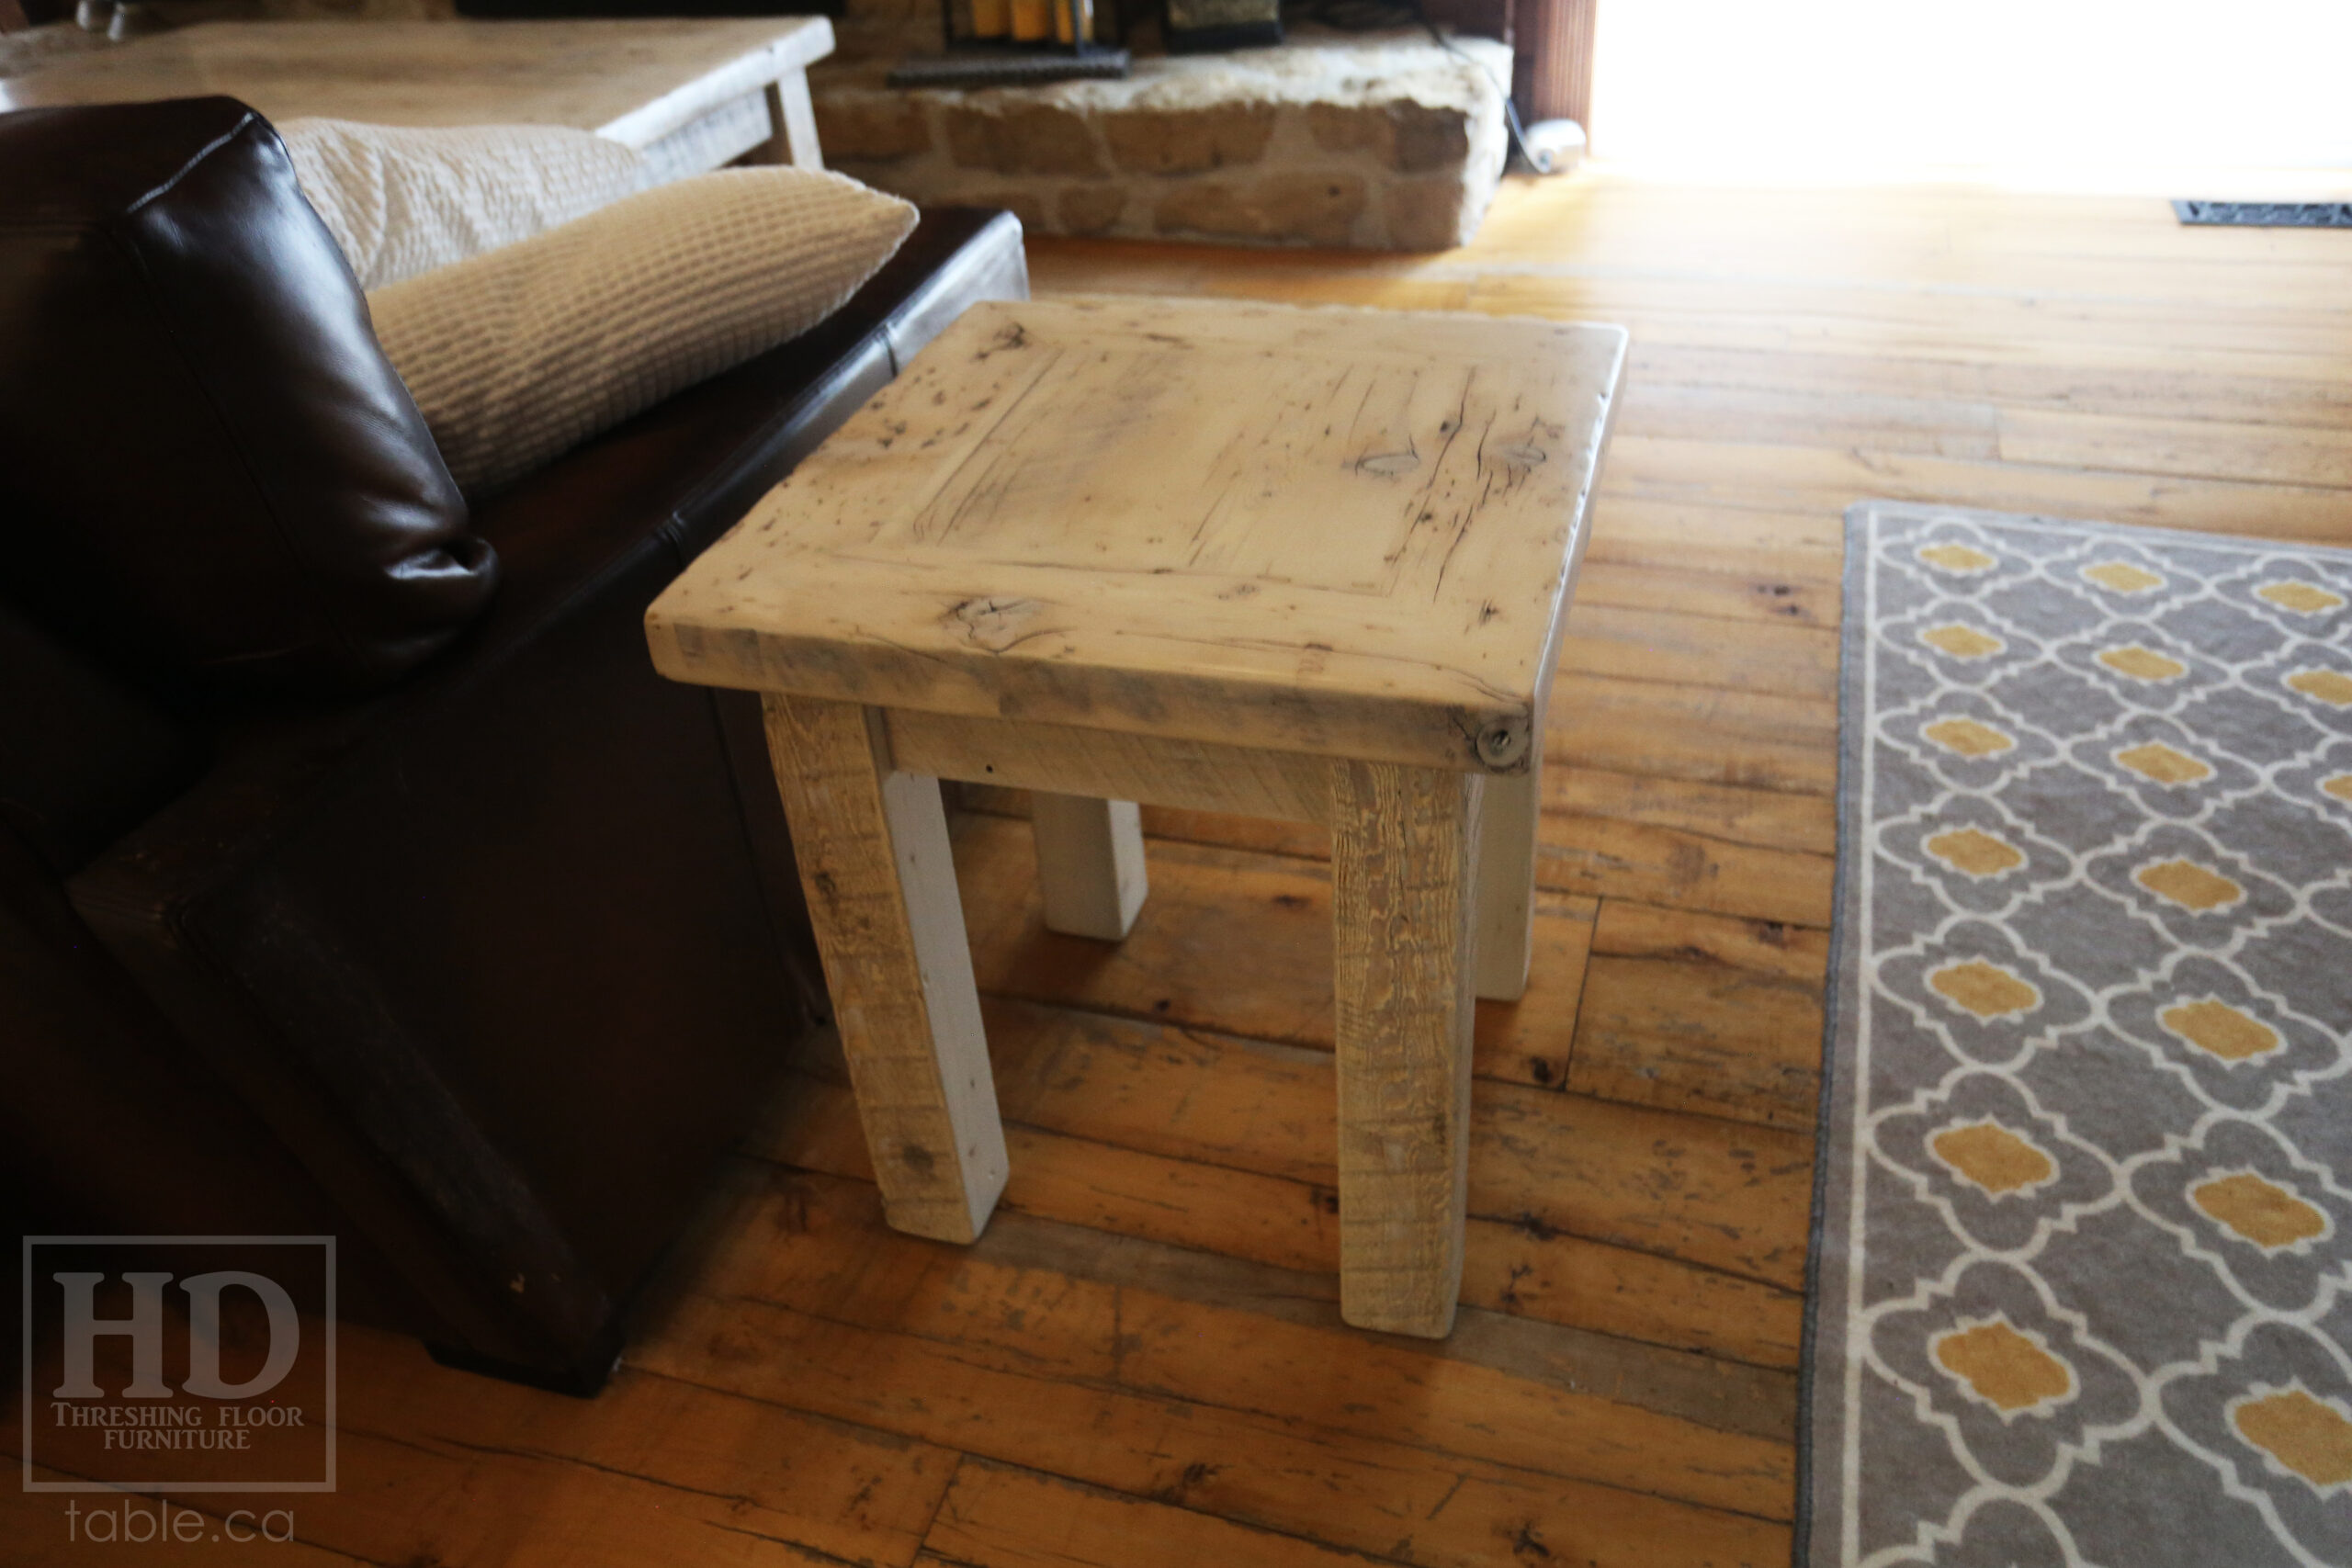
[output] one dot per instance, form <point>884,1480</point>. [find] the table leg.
<point>872,845</point>
<point>1089,863</point>
<point>1404,870</point>
<point>794,116</point>
<point>1507,882</point>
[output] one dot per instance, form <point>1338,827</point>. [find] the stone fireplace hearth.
<point>1377,141</point>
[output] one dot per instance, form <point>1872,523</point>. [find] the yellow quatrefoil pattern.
<point>2085,1240</point>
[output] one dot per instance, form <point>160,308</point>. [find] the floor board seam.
<point>1133,1392</point>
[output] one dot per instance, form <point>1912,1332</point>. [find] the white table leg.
<point>872,845</point>
<point>1506,939</point>
<point>1403,871</point>
<point>795,118</point>
<point>1090,864</point>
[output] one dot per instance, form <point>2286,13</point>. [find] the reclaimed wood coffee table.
<point>688,94</point>
<point>1301,564</point>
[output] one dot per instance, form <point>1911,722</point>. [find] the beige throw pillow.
<point>403,200</point>
<point>518,355</point>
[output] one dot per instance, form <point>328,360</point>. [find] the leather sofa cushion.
<point>208,470</point>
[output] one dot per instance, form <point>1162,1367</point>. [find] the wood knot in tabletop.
<point>998,624</point>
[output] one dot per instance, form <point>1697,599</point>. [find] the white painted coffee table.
<point>690,94</point>
<point>1304,564</point>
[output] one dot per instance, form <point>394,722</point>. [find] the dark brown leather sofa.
<point>483,972</point>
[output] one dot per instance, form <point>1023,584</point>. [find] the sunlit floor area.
<point>2074,93</point>
<point>1142,1364</point>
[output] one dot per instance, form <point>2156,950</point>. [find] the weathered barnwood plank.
<point>983,1300</point>
<point>919,1341</point>
<point>1519,1267</point>
<point>1784,657</point>
<point>2200,448</point>
<point>1706,733</point>
<point>1713,1193</point>
<point>880,881</point>
<point>1699,1037</point>
<point>1944,427</point>
<point>1361,1494</point>
<point>1627,929</point>
<point>1608,857</point>
<point>1763,818</point>
<point>1198,774</point>
<point>2134,380</point>
<point>1803,549</point>
<point>1404,907</point>
<point>998,1516</point>
<point>1704,584</point>
<point>1789,478</point>
<point>443,1466</point>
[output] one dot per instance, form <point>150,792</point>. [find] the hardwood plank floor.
<point>1141,1363</point>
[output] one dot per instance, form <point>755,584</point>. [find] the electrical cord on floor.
<point>1369,16</point>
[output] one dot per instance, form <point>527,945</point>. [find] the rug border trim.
<point>1852,640</point>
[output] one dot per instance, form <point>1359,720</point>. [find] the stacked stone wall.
<point>1382,143</point>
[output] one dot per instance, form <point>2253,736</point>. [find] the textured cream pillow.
<point>403,201</point>
<point>516,355</point>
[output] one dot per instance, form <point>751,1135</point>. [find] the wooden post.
<point>1404,871</point>
<point>1507,826</point>
<point>872,845</point>
<point>1089,863</point>
<point>793,118</point>
<point>1554,63</point>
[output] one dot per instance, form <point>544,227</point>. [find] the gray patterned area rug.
<point>2083,1246</point>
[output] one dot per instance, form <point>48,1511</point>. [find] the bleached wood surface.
<point>634,81</point>
<point>1337,531</point>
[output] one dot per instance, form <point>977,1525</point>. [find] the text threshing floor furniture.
<point>1309,565</point>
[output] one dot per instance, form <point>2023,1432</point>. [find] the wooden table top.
<point>633,81</point>
<point>1333,531</point>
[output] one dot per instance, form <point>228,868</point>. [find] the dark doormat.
<point>2267,214</point>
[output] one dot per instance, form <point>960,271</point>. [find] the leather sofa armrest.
<point>83,755</point>
<point>491,954</point>
<point>500,954</point>
<point>343,1089</point>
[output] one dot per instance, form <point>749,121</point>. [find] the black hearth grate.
<point>1009,70</point>
<point>2267,214</point>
